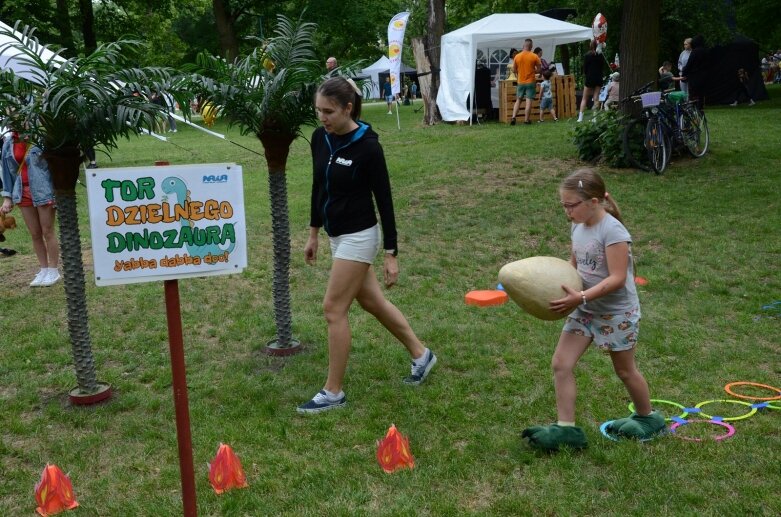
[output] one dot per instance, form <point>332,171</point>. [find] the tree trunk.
<point>280,224</point>
<point>64,167</point>
<point>639,47</point>
<point>229,44</point>
<point>63,23</point>
<point>88,26</point>
<point>432,42</point>
<point>277,147</point>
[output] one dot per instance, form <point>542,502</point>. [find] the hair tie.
<point>355,87</point>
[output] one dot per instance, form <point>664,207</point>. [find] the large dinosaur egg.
<point>534,282</point>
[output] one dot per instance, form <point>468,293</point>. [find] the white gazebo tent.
<point>373,71</point>
<point>459,52</point>
<point>382,66</point>
<point>13,59</point>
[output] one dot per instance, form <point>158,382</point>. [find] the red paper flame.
<point>54,492</point>
<point>393,451</point>
<point>225,471</point>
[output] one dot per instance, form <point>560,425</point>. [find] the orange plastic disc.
<point>485,298</point>
<point>640,280</point>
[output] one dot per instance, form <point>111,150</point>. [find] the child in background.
<point>612,98</point>
<point>606,312</point>
<point>666,78</point>
<point>546,95</point>
<point>743,80</point>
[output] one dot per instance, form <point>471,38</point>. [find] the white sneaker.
<point>734,103</point>
<point>51,278</point>
<point>580,117</point>
<point>751,102</point>
<point>39,278</point>
<point>390,113</point>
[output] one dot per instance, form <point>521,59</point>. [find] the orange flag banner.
<point>54,492</point>
<point>393,451</point>
<point>225,470</point>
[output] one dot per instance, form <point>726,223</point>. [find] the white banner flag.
<point>396,29</point>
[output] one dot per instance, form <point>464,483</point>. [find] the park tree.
<point>639,47</point>
<point>427,54</point>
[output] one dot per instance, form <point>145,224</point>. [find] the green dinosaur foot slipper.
<point>551,437</point>
<point>638,427</point>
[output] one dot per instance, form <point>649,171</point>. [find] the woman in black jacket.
<point>694,73</point>
<point>350,175</point>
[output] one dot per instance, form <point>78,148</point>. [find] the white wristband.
<point>583,297</point>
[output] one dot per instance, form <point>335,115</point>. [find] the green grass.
<point>468,200</point>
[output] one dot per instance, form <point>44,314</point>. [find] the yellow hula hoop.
<point>728,389</point>
<point>731,418</point>
<point>679,406</point>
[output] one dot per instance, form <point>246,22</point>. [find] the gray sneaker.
<point>418,374</point>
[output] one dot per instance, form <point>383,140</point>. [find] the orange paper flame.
<point>393,451</point>
<point>225,471</point>
<point>54,492</point>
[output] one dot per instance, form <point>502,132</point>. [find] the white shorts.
<point>359,246</point>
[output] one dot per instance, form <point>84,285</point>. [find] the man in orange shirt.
<point>527,65</point>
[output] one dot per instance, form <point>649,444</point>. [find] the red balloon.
<point>599,28</point>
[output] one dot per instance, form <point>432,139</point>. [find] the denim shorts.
<point>546,103</point>
<point>609,332</point>
<point>528,89</point>
<point>359,246</point>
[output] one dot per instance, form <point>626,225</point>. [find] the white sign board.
<point>164,223</point>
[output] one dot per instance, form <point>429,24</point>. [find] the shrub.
<point>600,138</point>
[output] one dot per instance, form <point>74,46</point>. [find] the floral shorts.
<point>609,332</point>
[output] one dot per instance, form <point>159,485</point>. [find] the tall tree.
<point>639,43</point>
<point>225,16</point>
<point>63,22</point>
<point>427,54</point>
<point>88,26</point>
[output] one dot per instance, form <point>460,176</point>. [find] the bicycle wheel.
<point>694,129</point>
<point>656,145</point>
<point>632,137</point>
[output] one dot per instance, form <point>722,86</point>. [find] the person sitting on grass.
<point>606,312</point>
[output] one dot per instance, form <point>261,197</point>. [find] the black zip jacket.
<point>348,171</point>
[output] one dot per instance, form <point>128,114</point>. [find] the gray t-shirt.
<point>589,246</point>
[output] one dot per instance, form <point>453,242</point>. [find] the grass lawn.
<point>468,200</point>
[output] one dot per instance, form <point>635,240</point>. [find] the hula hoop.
<point>731,418</point>
<point>728,389</point>
<point>730,430</point>
<point>685,413</point>
<point>603,430</point>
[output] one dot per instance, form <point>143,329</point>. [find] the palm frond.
<point>271,88</point>
<point>84,102</point>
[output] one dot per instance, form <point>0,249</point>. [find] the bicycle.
<point>656,140</point>
<point>694,127</point>
<point>634,131</point>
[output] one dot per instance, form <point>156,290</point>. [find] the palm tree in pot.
<point>270,93</point>
<point>67,107</point>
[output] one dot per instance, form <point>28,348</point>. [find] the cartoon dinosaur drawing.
<point>177,187</point>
